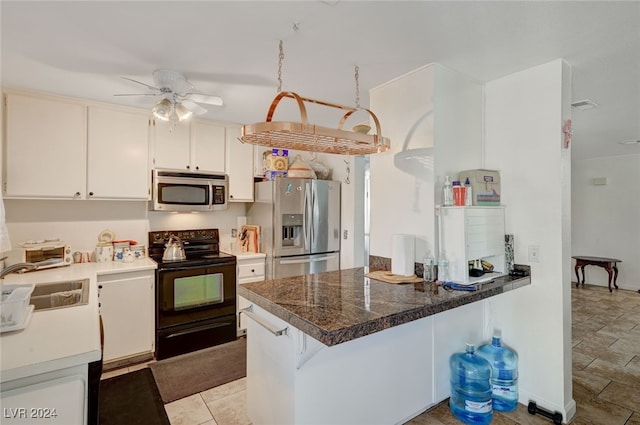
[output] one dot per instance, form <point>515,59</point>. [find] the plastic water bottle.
<point>443,270</point>
<point>429,269</point>
<point>470,399</point>
<point>504,373</point>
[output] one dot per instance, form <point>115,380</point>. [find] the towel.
<point>59,299</point>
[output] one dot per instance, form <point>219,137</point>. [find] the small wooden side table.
<point>609,264</point>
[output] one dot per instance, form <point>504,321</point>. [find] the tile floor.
<point>606,372</point>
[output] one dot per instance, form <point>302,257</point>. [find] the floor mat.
<point>191,373</point>
<point>131,399</point>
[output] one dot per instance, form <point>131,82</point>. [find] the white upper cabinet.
<point>207,146</point>
<point>195,146</point>
<point>118,154</point>
<point>63,148</point>
<point>46,141</point>
<point>171,145</point>
<point>239,167</point>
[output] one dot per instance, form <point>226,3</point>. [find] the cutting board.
<point>249,238</point>
<point>387,276</point>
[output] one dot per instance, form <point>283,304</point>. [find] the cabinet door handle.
<point>99,286</point>
<point>253,270</point>
<point>259,320</point>
<point>76,195</point>
<point>197,168</point>
<point>188,167</point>
<point>90,193</point>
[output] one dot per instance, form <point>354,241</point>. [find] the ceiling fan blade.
<point>140,82</point>
<point>194,107</point>
<point>136,94</point>
<point>204,98</point>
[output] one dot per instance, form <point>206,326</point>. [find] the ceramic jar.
<point>300,169</point>
<point>104,253</point>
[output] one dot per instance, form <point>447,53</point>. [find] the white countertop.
<point>247,255</point>
<point>63,337</point>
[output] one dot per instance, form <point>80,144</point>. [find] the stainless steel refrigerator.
<point>300,222</point>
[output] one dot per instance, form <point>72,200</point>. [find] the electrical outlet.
<point>534,253</point>
<point>345,234</point>
<point>234,233</point>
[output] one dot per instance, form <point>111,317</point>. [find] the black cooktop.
<point>201,247</point>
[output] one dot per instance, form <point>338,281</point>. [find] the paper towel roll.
<point>402,255</point>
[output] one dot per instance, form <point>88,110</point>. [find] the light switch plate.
<point>534,254</point>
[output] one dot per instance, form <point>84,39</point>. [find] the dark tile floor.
<point>606,363</point>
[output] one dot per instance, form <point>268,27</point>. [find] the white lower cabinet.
<point>127,303</point>
<point>386,377</point>
<point>382,378</point>
<point>57,398</point>
<point>250,268</point>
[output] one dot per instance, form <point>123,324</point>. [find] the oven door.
<point>192,294</point>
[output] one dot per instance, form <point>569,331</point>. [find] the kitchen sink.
<point>46,296</point>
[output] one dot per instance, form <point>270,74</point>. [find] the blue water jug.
<point>470,399</point>
<point>504,373</point>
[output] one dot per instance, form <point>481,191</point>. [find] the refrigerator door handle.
<point>306,225</point>
<point>308,260</point>
<point>312,231</point>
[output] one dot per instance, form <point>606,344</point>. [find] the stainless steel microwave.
<point>175,190</point>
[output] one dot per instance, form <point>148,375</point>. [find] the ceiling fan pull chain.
<point>280,58</point>
<point>357,75</point>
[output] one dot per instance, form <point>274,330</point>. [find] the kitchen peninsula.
<point>339,347</point>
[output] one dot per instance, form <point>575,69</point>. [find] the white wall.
<point>523,140</point>
<point>605,218</point>
<point>78,223</point>
<point>432,112</point>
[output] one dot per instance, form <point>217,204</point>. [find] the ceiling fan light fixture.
<point>163,110</point>
<point>182,112</point>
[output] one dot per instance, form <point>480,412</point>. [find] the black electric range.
<point>195,297</point>
<point>201,247</point>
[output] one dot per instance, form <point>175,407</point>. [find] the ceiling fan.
<point>177,94</point>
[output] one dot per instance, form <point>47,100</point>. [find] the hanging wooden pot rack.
<point>313,138</point>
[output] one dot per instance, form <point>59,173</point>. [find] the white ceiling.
<point>230,49</point>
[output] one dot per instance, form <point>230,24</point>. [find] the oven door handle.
<point>259,320</point>
<point>201,266</point>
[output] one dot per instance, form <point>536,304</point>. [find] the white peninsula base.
<point>387,377</point>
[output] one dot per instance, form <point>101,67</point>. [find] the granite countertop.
<point>336,307</point>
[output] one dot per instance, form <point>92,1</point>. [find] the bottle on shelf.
<point>468,195</point>
<point>447,192</point>
<point>504,373</point>
<point>471,392</point>
<point>458,194</point>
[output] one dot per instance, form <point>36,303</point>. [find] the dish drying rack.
<point>309,137</point>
